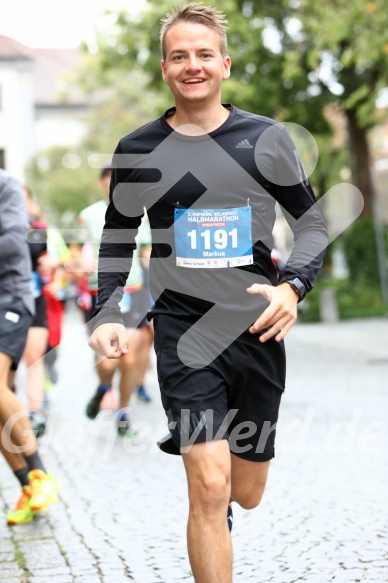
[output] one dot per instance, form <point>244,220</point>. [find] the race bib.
<point>213,238</point>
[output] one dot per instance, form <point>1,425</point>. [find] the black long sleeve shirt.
<point>247,165</point>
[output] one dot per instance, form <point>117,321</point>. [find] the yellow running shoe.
<point>22,512</point>
<point>43,489</point>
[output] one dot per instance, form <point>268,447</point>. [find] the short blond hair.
<point>196,12</point>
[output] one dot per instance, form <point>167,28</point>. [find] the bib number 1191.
<point>220,237</point>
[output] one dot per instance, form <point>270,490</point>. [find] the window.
<point>2,158</point>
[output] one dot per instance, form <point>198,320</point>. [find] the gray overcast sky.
<point>53,23</point>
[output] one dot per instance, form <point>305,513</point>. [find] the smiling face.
<point>194,67</point>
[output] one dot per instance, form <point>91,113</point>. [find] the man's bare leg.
<point>208,537</point>
<point>34,360</point>
<point>248,481</point>
<point>129,367</point>
<point>16,461</point>
<point>18,429</point>
<point>106,369</point>
<point>147,337</point>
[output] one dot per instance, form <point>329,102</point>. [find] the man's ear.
<point>163,67</point>
<point>227,67</point>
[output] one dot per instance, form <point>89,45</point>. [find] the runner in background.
<point>37,338</point>
<point>18,445</point>
<point>56,291</point>
<point>134,306</point>
<point>50,282</point>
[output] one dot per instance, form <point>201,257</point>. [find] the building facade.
<point>39,105</point>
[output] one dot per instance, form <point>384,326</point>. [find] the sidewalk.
<point>123,508</point>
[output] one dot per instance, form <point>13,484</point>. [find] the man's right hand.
<point>110,340</point>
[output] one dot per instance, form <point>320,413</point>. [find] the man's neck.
<point>197,120</point>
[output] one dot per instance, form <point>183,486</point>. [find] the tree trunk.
<point>360,161</point>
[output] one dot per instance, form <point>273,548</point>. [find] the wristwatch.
<point>298,286</point>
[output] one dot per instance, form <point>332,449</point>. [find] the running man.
<point>209,176</point>
<point>18,443</point>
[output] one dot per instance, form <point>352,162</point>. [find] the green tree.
<point>344,48</point>
<point>61,191</point>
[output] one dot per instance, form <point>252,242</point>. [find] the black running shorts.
<point>40,318</point>
<point>15,321</point>
<point>236,397</point>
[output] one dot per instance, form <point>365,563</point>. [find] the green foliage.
<point>351,40</point>
<point>61,192</point>
<point>360,294</point>
<point>354,300</point>
<point>359,242</point>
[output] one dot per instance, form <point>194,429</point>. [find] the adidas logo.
<point>244,144</point>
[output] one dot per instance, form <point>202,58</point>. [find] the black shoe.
<point>94,405</point>
<point>123,423</point>
<point>38,423</point>
<point>229,516</point>
<point>167,445</point>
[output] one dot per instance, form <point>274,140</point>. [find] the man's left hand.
<point>280,315</point>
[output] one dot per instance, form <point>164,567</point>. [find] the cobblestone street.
<point>123,509</point>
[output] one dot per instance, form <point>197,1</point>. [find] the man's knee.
<point>208,477</point>
<point>209,491</point>
<point>129,361</point>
